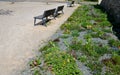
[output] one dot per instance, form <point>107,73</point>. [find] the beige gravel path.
<point>19,38</point>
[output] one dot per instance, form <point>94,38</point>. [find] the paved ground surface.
<point>19,38</point>
<point>31,0</point>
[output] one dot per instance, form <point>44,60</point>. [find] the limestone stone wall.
<point>112,7</point>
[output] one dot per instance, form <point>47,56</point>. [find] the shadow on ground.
<point>41,23</point>
<point>5,12</point>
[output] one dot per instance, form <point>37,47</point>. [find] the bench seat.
<point>45,16</point>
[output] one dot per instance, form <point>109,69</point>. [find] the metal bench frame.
<point>70,4</point>
<point>44,17</point>
<point>59,8</point>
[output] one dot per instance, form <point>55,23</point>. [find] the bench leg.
<point>62,12</point>
<point>44,21</point>
<point>54,16</point>
<point>34,21</point>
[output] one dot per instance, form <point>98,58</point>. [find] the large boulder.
<point>113,9</point>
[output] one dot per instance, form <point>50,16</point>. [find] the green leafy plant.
<point>82,58</point>
<point>114,43</point>
<point>66,31</point>
<point>61,62</point>
<point>36,72</point>
<point>64,36</point>
<point>76,44</point>
<point>96,67</point>
<point>116,59</point>
<point>75,33</point>
<point>35,62</point>
<point>113,64</point>
<point>104,24</point>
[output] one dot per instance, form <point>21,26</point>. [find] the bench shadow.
<point>110,18</point>
<point>57,16</point>
<point>41,22</point>
<point>5,12</point>
<point>71,6</point>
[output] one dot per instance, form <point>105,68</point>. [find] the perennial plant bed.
<point>86,46</point>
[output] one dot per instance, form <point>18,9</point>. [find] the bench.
<point>44,17</point>
<point>59,8</point>
<point>70,4</point>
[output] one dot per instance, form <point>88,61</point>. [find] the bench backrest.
<point>60,8</point>
<point>49,12</point>
<point>72,2</point>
